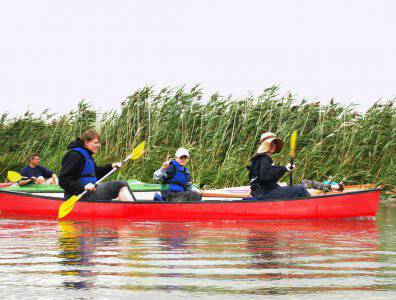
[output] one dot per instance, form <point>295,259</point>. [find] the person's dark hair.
<point>89,135</point>
<point>32,156</point>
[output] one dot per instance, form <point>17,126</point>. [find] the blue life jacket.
<point>88,173</point>
<point>178,179</point>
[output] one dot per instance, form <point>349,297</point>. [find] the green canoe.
<point>135,185</point>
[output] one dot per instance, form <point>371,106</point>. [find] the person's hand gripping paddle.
<point>67,206</point>
<point>293,142</point>
<point>15,176</point>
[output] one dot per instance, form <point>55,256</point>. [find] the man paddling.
<point>176,180</point>
<point>79,172</point>
<point>36,173</point>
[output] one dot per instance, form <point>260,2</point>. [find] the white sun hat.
<point>182,152</point>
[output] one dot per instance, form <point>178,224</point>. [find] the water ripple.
<point>221,260</point>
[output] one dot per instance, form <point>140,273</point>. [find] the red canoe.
<point>364,203</point>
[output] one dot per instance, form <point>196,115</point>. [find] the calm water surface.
<point>87,260</point>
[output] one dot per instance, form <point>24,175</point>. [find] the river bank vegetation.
<point>221,133</point>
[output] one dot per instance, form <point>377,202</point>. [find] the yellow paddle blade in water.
<point>293,143</point>
<point>138,151</point>
<point>67,206</point>
<point>13,176</point>
<point>67,229</point>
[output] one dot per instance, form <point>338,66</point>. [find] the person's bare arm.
<point>54,179</point>
<point>26,181</point>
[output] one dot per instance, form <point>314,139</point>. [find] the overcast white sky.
<point>55,53</point>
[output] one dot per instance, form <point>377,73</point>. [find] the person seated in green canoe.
<point>176,179</point>
<point>264,174</point>
<point>36,173</point>
<point>79,172</point>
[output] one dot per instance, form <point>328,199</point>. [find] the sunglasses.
<point>184,157</point>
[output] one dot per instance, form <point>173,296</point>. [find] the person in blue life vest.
<point>37,173</point>
<point>79,172</point>
<point>176,179</point>
<point>264,174</point>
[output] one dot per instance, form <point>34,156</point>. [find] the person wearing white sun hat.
<point>176,179</point>
<point>264,175</point>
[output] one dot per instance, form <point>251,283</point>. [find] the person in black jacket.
<point>79,172</point>
<point>264,175</point>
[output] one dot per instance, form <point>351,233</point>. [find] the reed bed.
<point>221,133</point>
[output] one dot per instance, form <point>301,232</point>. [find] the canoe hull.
<point>348,205</point>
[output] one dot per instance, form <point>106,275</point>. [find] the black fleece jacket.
<point>263,174</point>
<point>72,167</point>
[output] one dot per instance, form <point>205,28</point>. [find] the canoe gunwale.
<point>25,194</point>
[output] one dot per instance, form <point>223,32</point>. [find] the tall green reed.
<point>221,133</point>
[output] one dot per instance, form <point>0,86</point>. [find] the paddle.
<point>293,142</point>
<point>67,206</point>
<point>15,176</point>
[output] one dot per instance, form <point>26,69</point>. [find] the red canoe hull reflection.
<point>341,206</point>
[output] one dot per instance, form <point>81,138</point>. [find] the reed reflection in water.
<point>221,260</point>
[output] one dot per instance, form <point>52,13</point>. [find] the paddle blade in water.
<point>67,206</point>
<point>13,176</point>
<point>293,142</point>
<point>67,229</point>
<point>138,151</point>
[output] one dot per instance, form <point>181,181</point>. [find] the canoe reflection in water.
<point>77,245</point>
<point>216,258</point>
<point>264,251</point>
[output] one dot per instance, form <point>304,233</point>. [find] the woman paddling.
<point>264,175</point>
<point>79,172</point>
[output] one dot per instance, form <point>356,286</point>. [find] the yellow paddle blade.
<point>67,229</point>
<point>67,206</point>
<point>13,176</point>
<point>138,151</point>
<point>293,143</point>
